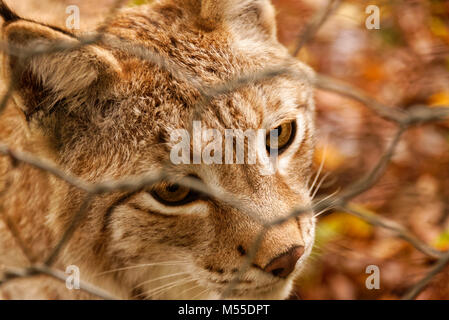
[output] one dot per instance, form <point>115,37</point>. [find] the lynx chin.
<point>102,112</point>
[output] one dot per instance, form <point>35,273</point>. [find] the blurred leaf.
<point>325,232</point>
<point>387,248</point>
<point>347,224</point>
<point>391,36</point>
<point>439,99</point>
<point>442,242</point>
<point>330,156</point>
<point>139,2</point>
<point>439,28</point>
<point>373,70</point>
<point>351,14</point>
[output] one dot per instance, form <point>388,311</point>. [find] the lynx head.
<point>107,110</point>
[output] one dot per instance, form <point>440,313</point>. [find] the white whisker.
<point>167,287</point>
<point>160,278</point>
<point>317,188</point>
<point>189,289</point>
<point>155,264</point>
<point>323,211</point>
<point>201,293</point>
<point>319,170</point>
<point>326,197</point>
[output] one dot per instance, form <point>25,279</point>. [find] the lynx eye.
<point>285,134</point>
<point>171,194</point>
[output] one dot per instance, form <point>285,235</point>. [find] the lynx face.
<point>102,113</point>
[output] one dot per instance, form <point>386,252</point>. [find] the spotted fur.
<point>101,113</point>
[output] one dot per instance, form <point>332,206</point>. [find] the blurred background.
<point>405,62</point>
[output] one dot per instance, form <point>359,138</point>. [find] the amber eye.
<point>173,194</point>
<point>285,134</point>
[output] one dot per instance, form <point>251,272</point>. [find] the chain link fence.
<point>403,119</point>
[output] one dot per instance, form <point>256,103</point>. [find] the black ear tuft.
<point>7,14</point>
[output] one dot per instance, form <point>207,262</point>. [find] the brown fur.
<point>101,113</point>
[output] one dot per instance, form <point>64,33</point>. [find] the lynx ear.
<point>47,79</point>
<point>249,15</point>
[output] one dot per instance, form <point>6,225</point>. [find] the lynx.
<point>101,112</point>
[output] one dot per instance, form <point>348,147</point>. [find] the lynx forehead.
<point>102,111</point>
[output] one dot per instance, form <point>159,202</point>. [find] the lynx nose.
<point>284,265</point>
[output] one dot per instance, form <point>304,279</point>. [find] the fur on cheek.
<point>102,113</point>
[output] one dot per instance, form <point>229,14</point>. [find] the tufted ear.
<point>45,80</point>
<point>247,15</point>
